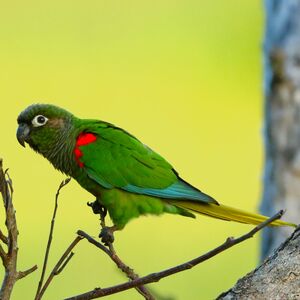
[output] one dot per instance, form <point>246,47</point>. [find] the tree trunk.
<point>282,117</point>
<point>277,278</point>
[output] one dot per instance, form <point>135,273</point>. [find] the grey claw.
<point>107,236</point>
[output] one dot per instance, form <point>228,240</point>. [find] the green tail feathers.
<point>227,213</point>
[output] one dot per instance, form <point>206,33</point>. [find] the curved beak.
<point>23,133</point>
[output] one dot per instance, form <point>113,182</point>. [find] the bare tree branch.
<point>3,237</point>
<point>22,274</point>
<point>64,264</point>
<point>93,241</point>
<point>3,256</point>
<point>116,259</point>
<point>41,281</point>
<point>66,257</point>
<point>121,265</point>
<point>9,258</point>
<point>154,277</point>
<point>60,265</point>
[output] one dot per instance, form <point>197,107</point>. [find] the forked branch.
<point>10,242</point>
<point>68,254</point>
<point>65,257</point>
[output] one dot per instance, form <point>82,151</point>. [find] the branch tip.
<point>22,274</point>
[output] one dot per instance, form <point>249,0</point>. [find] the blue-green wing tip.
<point>178,190</point>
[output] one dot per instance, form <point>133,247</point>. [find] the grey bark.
<point>282,117</point>
<point>277,278</point>
<point>9,256</point>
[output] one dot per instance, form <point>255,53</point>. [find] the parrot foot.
<point>107,235</point>
<point>97,208</point>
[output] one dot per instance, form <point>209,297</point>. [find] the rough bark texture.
<point>277,278</point>
<point>282,117</point>
<point>9,253</point>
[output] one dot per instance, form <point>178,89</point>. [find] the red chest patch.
<point>83,139</point>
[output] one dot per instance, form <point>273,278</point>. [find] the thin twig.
<point>93,241</point>
<point>3,237</point>
<point>120,264</point>
<point>22,274</point>
<point>65,258</point>
<point>41,281</point>
<point>3,256</point>
<point>64,264</point>
<point>9,258</point>
<point>154,277</point>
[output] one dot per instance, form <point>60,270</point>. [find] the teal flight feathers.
<point>128,178</point>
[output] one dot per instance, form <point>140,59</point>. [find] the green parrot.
<point>127,178</point>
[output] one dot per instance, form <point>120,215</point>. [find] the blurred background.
<point>184,77</point>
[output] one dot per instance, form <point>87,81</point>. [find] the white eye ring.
<point>39,120</point>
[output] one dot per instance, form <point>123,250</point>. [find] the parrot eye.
<point>39,120</point>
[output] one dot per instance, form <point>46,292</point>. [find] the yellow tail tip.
<point>228,213</point>
<point>283,223</point>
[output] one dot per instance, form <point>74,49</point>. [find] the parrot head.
<point>42,126</point>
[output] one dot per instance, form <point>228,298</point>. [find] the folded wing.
<point>118,160</point>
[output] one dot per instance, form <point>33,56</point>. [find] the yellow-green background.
<point>185,77</point>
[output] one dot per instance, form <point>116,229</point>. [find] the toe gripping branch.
<point>106,233</point>
<point>97,208</point>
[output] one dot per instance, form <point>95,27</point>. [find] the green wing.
<point>118,160</point>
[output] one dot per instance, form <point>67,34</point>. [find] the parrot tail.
<point>227,213</point>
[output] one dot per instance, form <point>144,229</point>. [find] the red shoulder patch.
<point>83,139</point>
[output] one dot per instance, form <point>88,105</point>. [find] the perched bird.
<point>127,178</point>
